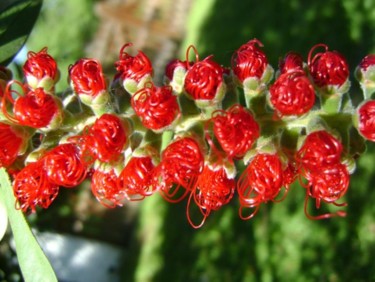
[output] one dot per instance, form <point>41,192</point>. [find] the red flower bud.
<point>173,65</point>
<point>318,150</point>
<point>12,143</point>
<point>292,94</point>
<point>32,188</point>
<point>106,138</point>
<point>203,80</point>
<point>212,190</point>
<point>181,163</point>
<point>157,107</point>
<point>40,70</point>
<point>135,178</point>
<point>292,62</point>
<point>249,61</point>
<point>236,130</point>
<point>87,77</point>
<point>129,67</point>
<point>36,109</point>
<point>260,182</point>
<point>63,165</point>
<point>328,68</point>
<point>366,119</point>
<point>105,189</point>
<point>367,62</point>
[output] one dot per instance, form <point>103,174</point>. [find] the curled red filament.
<point>87,77</point>
<point>157,107</point>
<point>328,67</point>
<point>249,60</point>
<point>129,67</point>
<point>260,182</point>
<point>11,144</point>
<point>366,119</point>
<point>367,62</point>
<point>63,165</point>
<point>181,163</point>
<point>236,130</point>
<point>320,148</point>
<point>212,190</point>
<point>135,178</point>
<point>106,138</point>
<point>291,62</point>
<point>40,65</point>
<point>203,79</point>
<point>105,189</point>
<point>32,188</point>
<point>292,94</point>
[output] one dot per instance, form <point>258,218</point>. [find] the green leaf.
<point>33,262</point>
<point>17,18</point>
<point>3,219</point>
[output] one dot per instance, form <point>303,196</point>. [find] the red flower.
<point>236,130</point>
<point>181,163</point>
<point>157,107</point>
<point>129,67</point>
<point>366,119</point>
<point>212,190</point>
<point>249,61</point>
<point>36,109</point>
<point>106,138</point>
<point>135,178</point>
<point>292,62</point>
<point>203,80</point>
<point>63,165</point>
<point>32,188</point>
<point>261,182</point>
<point>105,189</point>
<point>292,93</point>
<point>328,68</point>
<point>39,68</point>
<point>12,143</point>
<point>174,65</point>
<point>87,77</point>
<point>367,62</point>
<point>318,150</point>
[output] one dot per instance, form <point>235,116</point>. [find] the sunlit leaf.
<point>17,18</point>
<point>33,262</point>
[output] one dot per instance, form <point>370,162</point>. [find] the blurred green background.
<point>280,243</point>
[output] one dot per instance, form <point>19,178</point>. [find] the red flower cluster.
<point>187,139</point>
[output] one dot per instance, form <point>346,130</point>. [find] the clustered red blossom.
<point>186,140</point>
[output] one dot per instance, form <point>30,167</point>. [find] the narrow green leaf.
<point>3,219</point>
<point>34,264</point>
<point>17,19</point>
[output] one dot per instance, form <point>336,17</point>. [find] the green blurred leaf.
<point>3,219</point>
<point>33,263</point>
<point>17,18</point>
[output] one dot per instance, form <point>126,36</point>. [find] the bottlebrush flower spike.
<point>36,109</point>
<point>40,70</point>
<point>292,94</point>
<point>365,119</point>
<point>106,139</point>
<point>181,163</point>
<point>204,81</point>
<point>104,187</point>
<point>157,107</point>
<point>329,184</point>
<point>63,165</point>
<point>236,130</point>
<point>133,71</point>
<point>291,62</point>
<point>319,149</point>
<point>135,178</point>
<point>260,182</point>
<point>212,190</point>
<point>32,188</point>
<point>328,68</point>
<point>13,142</point>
